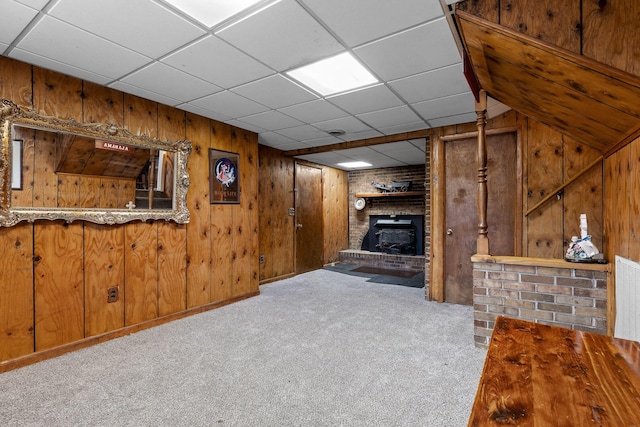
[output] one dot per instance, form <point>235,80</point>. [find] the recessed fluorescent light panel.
<point>333,75</point>
<point>211,13</point>
<point>354,165</point>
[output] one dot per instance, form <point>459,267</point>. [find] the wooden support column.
<point>481,113</point>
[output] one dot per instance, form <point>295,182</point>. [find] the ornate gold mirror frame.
<point>14,119</point>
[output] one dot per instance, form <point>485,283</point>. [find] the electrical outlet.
<point>261,258</point>
<point>292,211</point>
<point>112,294</point>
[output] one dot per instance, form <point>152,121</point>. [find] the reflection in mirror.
<point>100,173</point>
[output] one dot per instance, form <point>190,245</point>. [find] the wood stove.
<point>395,234</point>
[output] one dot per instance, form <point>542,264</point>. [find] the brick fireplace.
<point>395,208</point>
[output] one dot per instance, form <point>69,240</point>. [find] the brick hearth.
<point>382,260</point>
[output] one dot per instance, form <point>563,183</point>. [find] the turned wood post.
<point>481,113</point>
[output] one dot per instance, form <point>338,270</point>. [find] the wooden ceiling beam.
<point>367,142</point>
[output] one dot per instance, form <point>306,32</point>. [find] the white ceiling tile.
<point>187,106</point>
<point>445,107</point>
<point>281,142</point>
<point>366,100</point>
<point>229,104</point>
<point>408,127</point>
<point>144,26</point>
<point>389,117</point>
<point>161,78</point>
<point>3,46</point>
<point>215,61</point>
<point>347,124</point>
<point>364,134</point>
<point>51,64</point>
<point>452,120</point>
<point>414,51</point>
<point>438,83</point>
<point>303,133</point>
<point>20,15</point>
<point>134,90</point>
<point>246,126</point>
<point>330,158</point>
<point>326,140</point>
<point>314,111</point>
<point>394,147</point>
<point>80,49</point>
<point>36,4</point>
<point>271,120</point>
<point>360,21</point>
<point>283,36</point>
<point>275,92</point>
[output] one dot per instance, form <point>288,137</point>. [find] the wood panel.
<point>172,268</point>
<point>45,183</point>
<point>634,200</point>
<point>544,166</point>
<point>335,212</point>
<point>583,196</point>
<point>16,292</point>
<point>57,95</point>
<point>309,220</point>
<point>538,375</point>
<point>438,216</point>
<point>68,191</point>
<point>15,82</point>
<point>199,228</point>
<point>109,193</point>
<point>572,94</point>
<point>221,227</point>
<point>101,104</point>
<point>245,267</point>
<point>89,192</point>
<point>610,33</point>
<point>103,270</point>
<point>547,20</point>
<point>172,238</point>
<point>284,225</point>
<point>141,272</point>
<point>267,219</point>
<point>489,9</point>
<point>140,116</point>
<point>58,283</point>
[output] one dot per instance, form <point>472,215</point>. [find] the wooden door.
<point>461,217</point>
<point>309,237</point>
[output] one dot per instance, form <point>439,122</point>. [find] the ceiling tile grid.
<point>234,72</point>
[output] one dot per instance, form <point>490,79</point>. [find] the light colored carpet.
<point>320,349</point>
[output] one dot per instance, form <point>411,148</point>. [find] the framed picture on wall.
<point>224,185</point>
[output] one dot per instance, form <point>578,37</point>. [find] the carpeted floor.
<point>380,275</point>
<point>320,349</point>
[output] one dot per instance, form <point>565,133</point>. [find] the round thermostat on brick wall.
<point>359,203</point>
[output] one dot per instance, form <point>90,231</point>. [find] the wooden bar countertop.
<point>538,375</point>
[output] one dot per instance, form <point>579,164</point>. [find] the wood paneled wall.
<point>549,160</point>
<point>54,276</point>
<point>277,227</point>
<point>604,30</point>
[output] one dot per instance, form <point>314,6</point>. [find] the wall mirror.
<point>61,169</point>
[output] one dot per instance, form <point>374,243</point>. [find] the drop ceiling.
<point>234,72</point>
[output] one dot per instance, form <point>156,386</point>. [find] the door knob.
<point>449,231</point>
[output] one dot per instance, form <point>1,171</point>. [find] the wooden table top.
<point>538,375</point>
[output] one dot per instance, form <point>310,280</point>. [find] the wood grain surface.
<point>539,375</point>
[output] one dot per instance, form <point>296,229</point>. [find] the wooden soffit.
<point>577,96</point>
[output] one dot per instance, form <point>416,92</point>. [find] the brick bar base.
<point>553,292</point>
